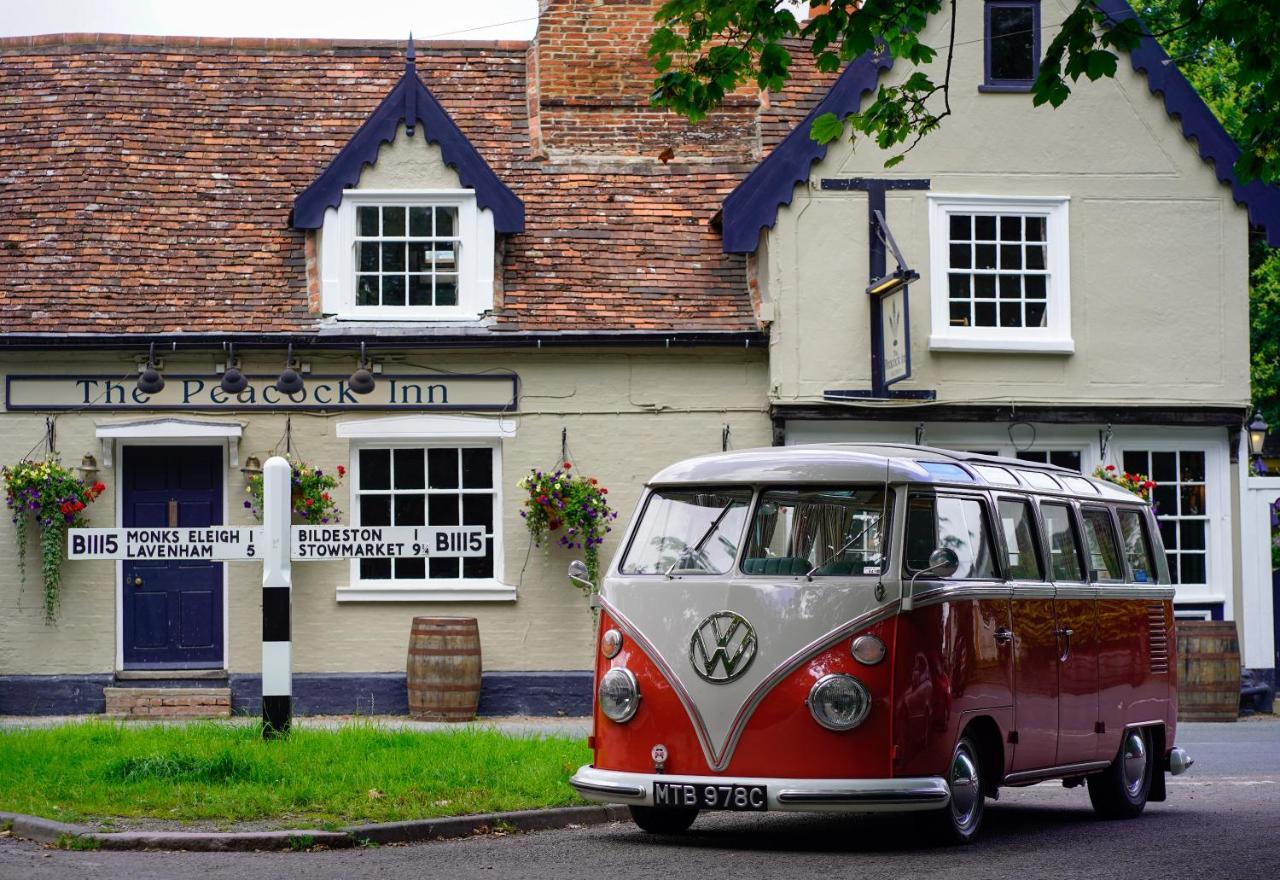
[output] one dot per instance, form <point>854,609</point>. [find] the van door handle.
<point>1003,636</point>
<point>1066,633</point>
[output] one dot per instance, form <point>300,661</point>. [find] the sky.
<point>380,19</point>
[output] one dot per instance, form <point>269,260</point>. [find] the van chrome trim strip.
<point>936,595</point>
<point>610,789</point>
<point>1051,772</point>
<point>1105,592</point>
<point>927,792</point>
<point>718,761</point>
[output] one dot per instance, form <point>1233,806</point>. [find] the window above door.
<point>1000,274</point>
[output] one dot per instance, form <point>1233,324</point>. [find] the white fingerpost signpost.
<point>277,600</point>
<point>276,545</point>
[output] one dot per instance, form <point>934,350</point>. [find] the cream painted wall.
<point>1158,249</point>
<point>628,413</point>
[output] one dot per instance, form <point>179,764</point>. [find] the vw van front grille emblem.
<point>722,647</point>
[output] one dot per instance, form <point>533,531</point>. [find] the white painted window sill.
<point>996,345</point>
<point>408,314</point>
<point>482,591</point>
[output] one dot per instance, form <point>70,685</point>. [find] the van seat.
<point>776,565</point>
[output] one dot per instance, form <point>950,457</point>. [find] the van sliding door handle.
<point>1066,633</point>
<point>1003,635</point>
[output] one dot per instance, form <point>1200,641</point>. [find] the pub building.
<point>442,268</point>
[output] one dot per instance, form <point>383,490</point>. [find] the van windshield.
<point>688,531</point>
<point>827,531</point>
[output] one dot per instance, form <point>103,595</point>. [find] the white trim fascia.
<point>477,245</point>
<point>497,592</point>
<point>427,428</point>
<point>163,430</point>
<point>1056,338</point>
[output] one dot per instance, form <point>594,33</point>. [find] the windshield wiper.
<point>706,536</point>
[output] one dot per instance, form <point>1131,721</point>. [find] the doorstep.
<point>171,675</point>
<point>168,702</point>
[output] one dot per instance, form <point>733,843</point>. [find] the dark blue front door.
<point>172,609</point>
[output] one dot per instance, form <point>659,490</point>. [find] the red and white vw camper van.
<point>872,628</point>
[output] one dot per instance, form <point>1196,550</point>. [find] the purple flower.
<point>249,505</point>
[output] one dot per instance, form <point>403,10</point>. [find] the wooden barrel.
<point>1209,670</point>
<point>443,669</point>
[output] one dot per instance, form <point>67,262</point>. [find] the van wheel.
<point>1120,791</point>
<point>657,820</point>
<point>961,819</point>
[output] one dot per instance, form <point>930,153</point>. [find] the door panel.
<point>1035,672</point>
<point>1077,680</point>
<point>172,609</point>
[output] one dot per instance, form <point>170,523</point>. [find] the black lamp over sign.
<point>289,382</point>
<point>1257,429</point>
<point>233,381</point>
<point>361,381</point>
<point>150,381</point>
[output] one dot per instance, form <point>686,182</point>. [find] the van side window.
<point>1064,549</point>
<point>1137,548</point>
<point>1020,540</point>
<point>1100,540</point>
<point>959,524</point>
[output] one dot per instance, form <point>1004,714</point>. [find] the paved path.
<point>519,725</point>
<point>1222,820</point>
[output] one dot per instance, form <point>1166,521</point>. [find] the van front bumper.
<point>809,795</point>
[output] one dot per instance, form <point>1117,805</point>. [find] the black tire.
<point>961,820</point>
<point>663,820</point>
<point>1120,791</point>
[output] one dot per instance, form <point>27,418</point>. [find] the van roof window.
<point>1080,484</point>
<point>946,472</point>
<point>1039,480</point>
<point>993,474</point>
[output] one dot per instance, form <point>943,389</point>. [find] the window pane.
<point>961,227</point>
<point>367,290</point>
<point>1033,455</point>
<point>375,569</point>
<point>446,256</point>
<point>1067,458</point>
<point>1192,467</point>
<point>985,255</point>
<point>375,469</point>
<point>1169,533</point>
<point>1011,314</point>
<point>1134,536</point>
<point>984,286</point>
<point>368,256</point>
<point>393,256</point>
<point>420,256</point>
<point>1010,256</point>
<point>442,468</point>
<point>375,510</point>
<point>1193,568</point>
<point>961,256</point>
<point>958,285</point>
<point>419,290</point>
<point>1010,287</point>
<point>410,569</point>
<point>1035,227</point>
<point>1063,549</point>
<point>446,222</point>
<point>1192,501</point>
<point>444,567</point>
<point>367,220</point>
<point>410,510</point>
<point>957,524</point>
<point>447,290</point>
<point>1020,540</point>
<point>984,228</point>
<point>1100,541</point>
<point>420,222</point>
<point>1035,256</point>
<point>688,531</point>
<point>442,510</point>
<point>959,314</point>
<point>479,566</point>
<point>477,510</point>
<point>1036,286</point>
<point>1164,467</point>
<point>1011,40</point>
<point>1192,533</point>
<point>984,314</point>
<point>1011,229</point>
<point>1136,462</point>
<point>1036,315</point>
<point>477,468</point>
<point>393,221</point>
<point>393,290</point>
<point>1165,497</point>
<point>833,532</point>
<point>410,470</point>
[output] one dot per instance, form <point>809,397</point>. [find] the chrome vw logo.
<point>722,647</point>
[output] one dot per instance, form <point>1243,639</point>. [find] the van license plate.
<point>711,796</point>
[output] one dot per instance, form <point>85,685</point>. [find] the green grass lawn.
<point>215,772</point>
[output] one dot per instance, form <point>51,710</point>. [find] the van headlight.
<point>619,694</point>
<point>839,702</point>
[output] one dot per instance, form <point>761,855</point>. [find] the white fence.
<point>1258,613</point>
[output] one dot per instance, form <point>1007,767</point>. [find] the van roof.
<point>878,462</point>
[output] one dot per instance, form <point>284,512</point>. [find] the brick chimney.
<point>589,83</point>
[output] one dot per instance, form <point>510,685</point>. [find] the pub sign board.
<point>895,336</point>
<point>306,543</point>
<point>440,392</point>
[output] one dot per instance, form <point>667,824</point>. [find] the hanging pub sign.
<point>895,335</point>
<point>495,392</point>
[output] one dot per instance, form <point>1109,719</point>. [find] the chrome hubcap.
<point>1134,762</point>
<point>965,788</point>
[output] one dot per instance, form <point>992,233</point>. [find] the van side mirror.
<point>578,574</point>
<point>943,562</point>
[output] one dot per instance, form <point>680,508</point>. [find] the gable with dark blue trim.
<point>411,103</point>
<point>1183,102</point>
<point>753,205</point>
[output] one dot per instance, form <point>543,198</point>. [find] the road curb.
<point>48,831</point>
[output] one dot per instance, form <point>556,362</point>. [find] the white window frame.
<point>475,257</point>
<point>1055,337</point>
<point>429,432</point>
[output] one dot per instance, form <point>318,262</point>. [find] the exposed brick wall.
<point>168,702</point>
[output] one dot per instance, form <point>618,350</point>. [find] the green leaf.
<point>1100,63</point>
<point>826,128</point>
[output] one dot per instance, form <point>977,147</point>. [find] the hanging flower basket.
<point>1138,484</point>
<point>559,500</point>
<point>47,495</point>
<point>311,500</point>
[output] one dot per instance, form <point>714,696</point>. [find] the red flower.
<point>309,502</point>
<point>342,472</point>
<point>1111,467</point>
<point>325,496</point>
<point>66,508</point>
<point>568,465</point>
<point>604,491</point>
<point>79,505</point>
<point>99,488</point>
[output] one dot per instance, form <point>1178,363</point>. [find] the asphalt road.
<point>1222,820</point>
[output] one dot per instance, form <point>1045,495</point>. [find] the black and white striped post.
<point>277,600</point>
